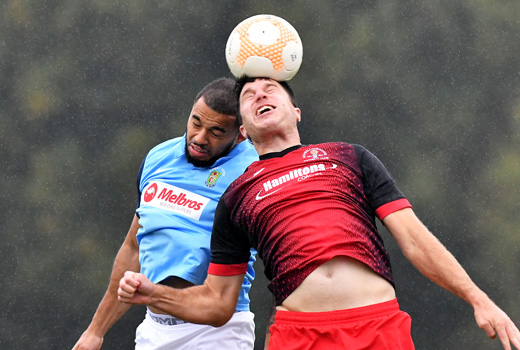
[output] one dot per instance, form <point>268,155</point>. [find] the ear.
<point>299,117</point>
<point>243,133</point>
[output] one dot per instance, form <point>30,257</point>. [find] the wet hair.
<point>220,96</point>
<point>239,85</point>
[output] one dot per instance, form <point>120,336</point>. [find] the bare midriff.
<point>341,283</point>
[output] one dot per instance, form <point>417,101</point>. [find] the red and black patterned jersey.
<point>301,207</point>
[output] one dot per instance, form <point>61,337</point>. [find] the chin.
<point>201,163</point>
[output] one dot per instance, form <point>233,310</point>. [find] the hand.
<point>135,288</point>
<point>88,341</point>
<point>495,322</point>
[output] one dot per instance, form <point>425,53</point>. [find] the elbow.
<point>210,316</point>
<point>219,316</point>
<point>410,248</point>
<point>220,319</point>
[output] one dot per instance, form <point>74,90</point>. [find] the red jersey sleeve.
<point>227,269</point>
<point>230,246</point>
<point>382,193</point>
<point>391,207</point>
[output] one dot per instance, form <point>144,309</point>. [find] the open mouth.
<point>199,151</point>
<point>264,109</point>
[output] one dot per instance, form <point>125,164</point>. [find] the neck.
<point>275,144</point>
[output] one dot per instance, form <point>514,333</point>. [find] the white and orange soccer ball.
<point>264,46</point>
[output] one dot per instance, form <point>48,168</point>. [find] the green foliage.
<point>88,87</point>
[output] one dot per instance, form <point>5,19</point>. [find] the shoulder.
<point>168,145</point>
<point>245,148</point>
<point>357,150</point>
<point>362,152</point>
<point>366,157</point>
<point>338,150</point>
<point>353,155</point>
<point>243,152</point>
<point>337,145</point>
<point>172,148</point>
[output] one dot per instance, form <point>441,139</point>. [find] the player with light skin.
<point>211,134</point>
<point>340,283</point>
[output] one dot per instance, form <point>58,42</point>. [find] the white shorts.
<point>161,332</point>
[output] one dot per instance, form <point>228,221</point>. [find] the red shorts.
<point>376,327</point>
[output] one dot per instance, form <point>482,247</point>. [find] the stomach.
<point>340,283</point>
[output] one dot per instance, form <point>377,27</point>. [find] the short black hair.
<point>239,85</point>
<point>220,96</point>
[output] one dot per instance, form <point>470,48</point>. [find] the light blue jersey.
<point>176,208</point>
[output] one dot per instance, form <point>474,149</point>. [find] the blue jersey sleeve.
<point>139,175</point>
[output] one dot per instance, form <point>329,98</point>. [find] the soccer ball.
<point>264,46</point>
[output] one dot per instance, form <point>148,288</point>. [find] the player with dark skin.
<point>210,135</point>
<point>270,120</point>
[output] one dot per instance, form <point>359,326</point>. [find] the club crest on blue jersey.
<point>213,176</point>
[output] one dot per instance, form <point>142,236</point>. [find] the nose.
<point>201,137</point>
<point>260,94</point>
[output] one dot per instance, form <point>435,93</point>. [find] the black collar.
<point>279,154</point>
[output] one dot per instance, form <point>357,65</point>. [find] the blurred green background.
<point>88,87</point>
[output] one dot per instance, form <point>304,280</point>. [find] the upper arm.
<point>225,288</point>
<point>401,223</point>
<point>127,258</point>
<point>224,291</point>
<point>408,231</point>
<point>131,237</point>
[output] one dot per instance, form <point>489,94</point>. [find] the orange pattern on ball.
<point>273,52</point>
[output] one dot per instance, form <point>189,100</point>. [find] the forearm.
<point>195,304</point>
<point>442,268</point>
<point>212,303</point>
<point>107,314</point>
<point>110,310</point>
<point>430,256</point>
<point>434,261</point>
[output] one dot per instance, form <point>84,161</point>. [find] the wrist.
<point>97,328</point>
<point>476,297</point>
<point>157,293</point>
